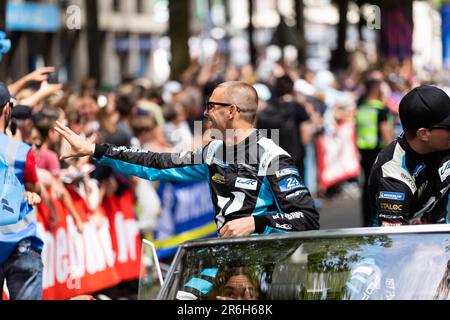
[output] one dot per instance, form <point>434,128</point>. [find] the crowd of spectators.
<point>300,103</point>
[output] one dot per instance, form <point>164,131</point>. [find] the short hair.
<point>44,122</point>
<point>372,84</point>
<point>125,104</point>
<point>283,85</point>
<point>140,124</point>
<point>170,111</point>
<point>244,96</point>
<point>74,118</point>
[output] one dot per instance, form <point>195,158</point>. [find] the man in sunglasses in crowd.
<point>410,180</point>
<point>255,185</point>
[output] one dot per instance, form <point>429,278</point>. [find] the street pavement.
<point>340,212</point>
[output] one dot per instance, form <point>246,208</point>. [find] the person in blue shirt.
<point>20,246</point>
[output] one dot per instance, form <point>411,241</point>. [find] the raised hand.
<point>33,198</point>
<point>40,74</point>
<point>79,147</point>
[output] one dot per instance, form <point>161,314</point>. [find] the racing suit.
<point>408,188</point>
<point>253,178</point>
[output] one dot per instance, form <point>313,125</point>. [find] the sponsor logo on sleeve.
<point>419,169</point>
<point>218,179</point>
<point>289,184</point>
<point>295,194</point>
<point>283,226</point>
<point>391,207</point>
<point>127,149</point>
<point>286,172</point>
<point>392,196</point>
<point>409,181</point>
<point>444,171</point>
<point>391,224</point>
<point>248,184</point>
<point>221,164</point>
<point>289,216</point>
<point>391,217</point>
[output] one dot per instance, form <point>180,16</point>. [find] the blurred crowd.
<point>300,103</point>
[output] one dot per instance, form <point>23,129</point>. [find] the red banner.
<point>105,254</point>
<point>338,157</point>
<point>126,240</point>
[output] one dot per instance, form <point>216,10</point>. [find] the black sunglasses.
<point>210,105</point>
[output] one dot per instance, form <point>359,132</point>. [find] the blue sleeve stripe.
<point>275,199</point>
<point>265,199</point>
<point>191,172</point>
<point>269,230</point>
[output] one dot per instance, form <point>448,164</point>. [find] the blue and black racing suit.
<point>408,188</point>
<point>253,178</point>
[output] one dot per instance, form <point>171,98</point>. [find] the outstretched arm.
<point>38,75</point>
<point>141,163</point>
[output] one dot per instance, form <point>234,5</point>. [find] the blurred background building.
<point>113,40</point>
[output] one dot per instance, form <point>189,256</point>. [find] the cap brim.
<point>445,122</point>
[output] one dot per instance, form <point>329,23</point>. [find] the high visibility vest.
<point>367,135</point>
<point>26,226</point>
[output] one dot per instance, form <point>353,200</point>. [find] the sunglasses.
<point>440,127</point>
<point>211,104</point>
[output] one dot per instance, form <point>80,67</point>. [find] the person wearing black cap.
<point>410,180</point>
<point>20,244</point>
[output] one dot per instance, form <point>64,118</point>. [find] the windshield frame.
<point>316,234</point>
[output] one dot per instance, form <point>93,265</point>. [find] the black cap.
<point>22,112</point>
<point>5,96</point>
<point>425,107</point>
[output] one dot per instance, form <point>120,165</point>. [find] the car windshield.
<point>398,266</point>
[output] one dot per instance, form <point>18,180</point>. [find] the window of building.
<point>140,6</point>
<point>116,5</point>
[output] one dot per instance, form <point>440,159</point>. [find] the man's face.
<point>439,138</point>
<point>218,115</point>
<point>239,287</point>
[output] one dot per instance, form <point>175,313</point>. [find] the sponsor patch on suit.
<point>286,172</point>
<point>218,178</point>
<point>248,184</point>
<point>289,184</point>
<point>392,196</point>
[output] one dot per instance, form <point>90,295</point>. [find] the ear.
<point>423,134</point>
<point>233,111</point>
<point>5,111</point>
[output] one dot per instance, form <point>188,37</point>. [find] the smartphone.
<point>53,78</point>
